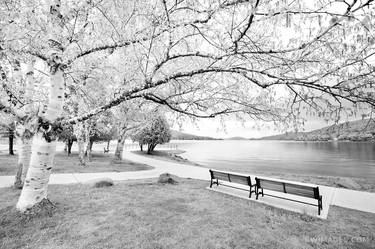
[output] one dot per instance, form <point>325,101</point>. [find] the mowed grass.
<point>149,215</point>
<point>70,164</point>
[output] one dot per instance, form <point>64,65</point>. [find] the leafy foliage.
<point>269,60</point>
<point>155,132</point>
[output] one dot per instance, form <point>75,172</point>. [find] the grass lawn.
<point>69,164</point>
<point>148,215</point>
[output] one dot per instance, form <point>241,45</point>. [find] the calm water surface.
<point>351,159</point>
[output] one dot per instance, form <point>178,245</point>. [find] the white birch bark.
<point>29,87</point>
<point>24,153</point>
<point>43,152</point>
<point>44,142</point>
<point>23,136</point>
<point>36,182</point>
<point>88,141</point>
<point>120,147</point>
<point>79,132</point>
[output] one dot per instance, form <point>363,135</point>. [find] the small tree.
<point>156,132</point>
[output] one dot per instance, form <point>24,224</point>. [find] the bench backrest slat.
<point>289,188</point>
<point>300,190</point>
<point>271,185</point>
<point>240,179</point>
<point>220,175</point>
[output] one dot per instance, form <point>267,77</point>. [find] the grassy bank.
<point>149,215</point>
<point>70,164</point>
<point>361,184</point>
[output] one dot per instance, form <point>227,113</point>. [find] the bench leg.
<point>253,191</point>
<point>211,184</point>
<point>320,205</point>
<point>321,202</point>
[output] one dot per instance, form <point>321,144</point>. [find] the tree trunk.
<point>150,148</point>
<point>120,147</point>
<point>24,153</point>
<point>70,144</point>
<point>44,141</point>
<point>43,149</point>
<point>141,146</point>
<point>88,140</point>
<point>11,139</point>
<point>80,134</point>
<point>23,131</point>
<point>36,182</point>
<point>89,149</point>
<point>81,151</point>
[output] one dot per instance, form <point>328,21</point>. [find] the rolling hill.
<point>360,130</point>
<point>177,135</point>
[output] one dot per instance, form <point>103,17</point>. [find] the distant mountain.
<point>236,138</point>
<point>177,135</point>
<point>360,130</point>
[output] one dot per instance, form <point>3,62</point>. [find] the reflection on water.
<point>351,159</point>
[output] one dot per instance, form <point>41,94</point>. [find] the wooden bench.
<point>289,188</point>
<point>233,178</point>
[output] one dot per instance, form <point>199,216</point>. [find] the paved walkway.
<point>362,201</point>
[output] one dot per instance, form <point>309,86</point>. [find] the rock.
<point>168,178</point>
<point>102,182</point>
<point>348,183</point>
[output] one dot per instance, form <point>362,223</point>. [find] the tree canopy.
<point>271,60</point>
<point>156,131</point>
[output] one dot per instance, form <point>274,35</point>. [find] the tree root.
<point>41,209</point>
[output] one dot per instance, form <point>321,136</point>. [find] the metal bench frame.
<point>316,195</point>
<point>215,180</point>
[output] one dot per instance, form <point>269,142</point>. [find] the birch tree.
<point>127,118</point>
<point>44,140</point>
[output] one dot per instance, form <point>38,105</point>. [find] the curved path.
<point>358,200</point>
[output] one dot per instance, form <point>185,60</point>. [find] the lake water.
<point>348,159</point>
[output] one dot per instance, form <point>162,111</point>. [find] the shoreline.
<point>168,155</point>
<point>353,183</point>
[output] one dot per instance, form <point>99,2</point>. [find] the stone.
<point>102,182</point>
<point>167,178</point>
